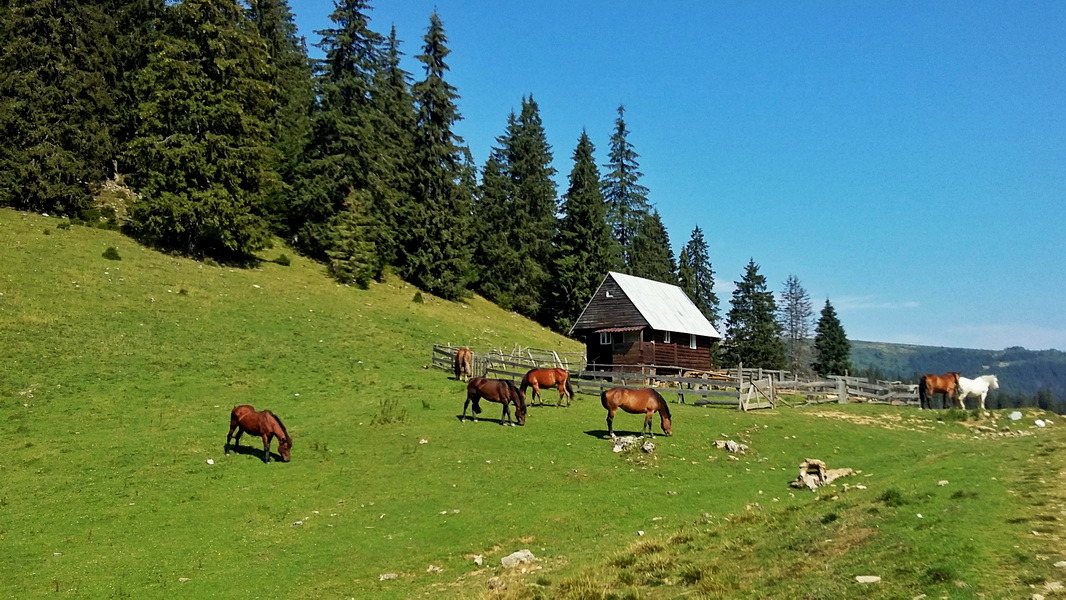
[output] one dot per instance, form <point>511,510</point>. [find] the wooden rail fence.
<point>744,389</point>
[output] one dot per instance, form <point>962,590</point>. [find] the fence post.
<point>842,391</point>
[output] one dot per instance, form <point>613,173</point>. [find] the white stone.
<point>210,461</point>
<point>1039,423</point>
<point>387,576</point>
<point>517,558</point>
<point>942,482</point>
<point>1014,416</point>
<point>868,579</point>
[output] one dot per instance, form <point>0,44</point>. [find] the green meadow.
<point>118,377</point>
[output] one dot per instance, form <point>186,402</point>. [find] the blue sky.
<point>904,160</point>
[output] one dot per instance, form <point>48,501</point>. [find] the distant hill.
<point>1028,373</point>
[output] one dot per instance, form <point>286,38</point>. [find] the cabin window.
<point>692,341</point>
<point>666,337</point>
<point>605,338</point>
<point>630,337</point>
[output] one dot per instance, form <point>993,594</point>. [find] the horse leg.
<point>610,422</point>
<point>647,424</point>
<point>237,438</point>
<point>266,448</point>
<point>232,427</point>
<point>562,393</point>
<point>536,394</point>
<point>506,414</point>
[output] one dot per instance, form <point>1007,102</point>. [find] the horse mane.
<point>663,403</point>
<point>519,400</point>
<point>282,425</point>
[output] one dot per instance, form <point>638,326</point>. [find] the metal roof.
<point>665,306</point>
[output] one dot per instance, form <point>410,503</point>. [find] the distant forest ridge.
<point>1038,376</point>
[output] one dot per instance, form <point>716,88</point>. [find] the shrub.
<point>418,299</point>
<point>283,260</point>
<point>111,254</point>
<point>892,497</point>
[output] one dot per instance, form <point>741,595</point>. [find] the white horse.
<point>976,387</point>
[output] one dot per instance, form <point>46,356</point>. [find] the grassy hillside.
<point>115,393</point>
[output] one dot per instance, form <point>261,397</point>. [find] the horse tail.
<point>923,392</point>
<point>519,396</point>
<point>603,399</point>
<point>569,388</point>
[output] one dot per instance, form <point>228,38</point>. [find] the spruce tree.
<point>496,258</point>
<point>651,256</point>
<point>201,155</point>
<point>353,259</point>
<point>832,350</point>
<point>435,253</point>
<point>394,112</point>
<point>518,214</point>
<point>137,31</point>
<point>696,277</point>
<point>292,83</point>
<point>754,336</point>
<point>534,206</point>
<point>627,200</point>
<point>794,316</point>
<point>58,70</point>
<point>584,248</point>
<point>340,156</point>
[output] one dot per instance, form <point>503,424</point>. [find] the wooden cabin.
<point>632,321</point>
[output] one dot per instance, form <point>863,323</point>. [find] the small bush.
<point>111,254</point>
<point>418,299</point>
<point>65,225</point>
<point>892,497</point>
<point>283,260</point>
<point>210,262</point>
<point>183,292</point>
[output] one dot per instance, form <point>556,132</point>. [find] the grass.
<point>119,376</point>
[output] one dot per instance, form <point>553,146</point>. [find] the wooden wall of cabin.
<point>617,310</point>
<point>653,351</point>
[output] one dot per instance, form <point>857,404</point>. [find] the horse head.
<point>519,399</point>
<point>285,448</point>
<point>993,382</point>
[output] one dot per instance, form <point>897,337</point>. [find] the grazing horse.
<point>977,387</point>
<point>464,364</point>
<point>556,378</point>
<point>263,423</point>
<point>633,401</point>
<point>495,390</point>
<point>929,384</point>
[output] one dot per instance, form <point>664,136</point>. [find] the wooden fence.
<point>744,389</point>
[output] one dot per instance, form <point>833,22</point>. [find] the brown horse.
<point>495,390</point>
<point>546,378</point>
<point>947,384</point>
<point>464,364</point>
<point>633,401</point>
<point>263,423</point>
